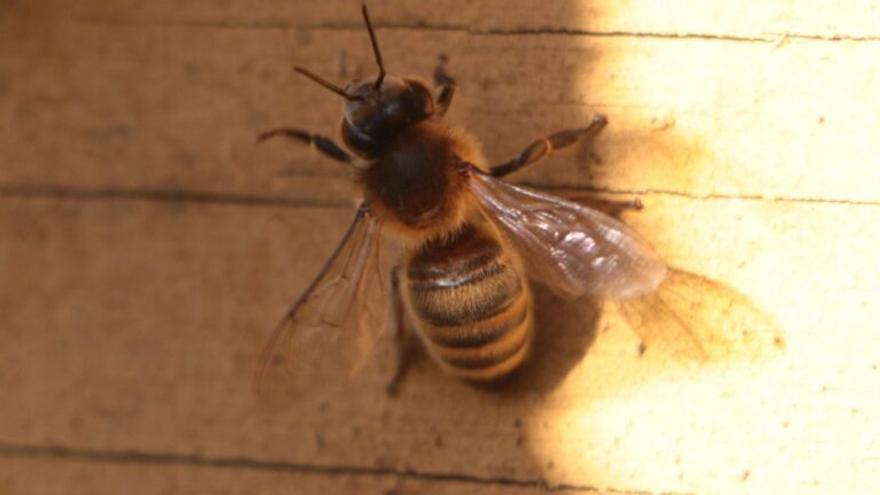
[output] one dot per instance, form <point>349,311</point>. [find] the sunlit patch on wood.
<point>695,319</point>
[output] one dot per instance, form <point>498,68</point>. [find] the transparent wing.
<point>333,326</point>
<point>573,249</point>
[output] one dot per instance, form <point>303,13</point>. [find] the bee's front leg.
<point>322,144</point>
<point>446,84</point>
<point>543,147</point>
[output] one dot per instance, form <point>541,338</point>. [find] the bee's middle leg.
<point>403,338</point>
<point>543,147</point>
<point>323,144</point>
<point>609,206</point>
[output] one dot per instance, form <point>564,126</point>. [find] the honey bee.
<point>471,241</point>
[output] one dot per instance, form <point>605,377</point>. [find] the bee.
<point>470,240</point>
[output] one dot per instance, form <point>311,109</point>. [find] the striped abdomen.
<point>471,305</point>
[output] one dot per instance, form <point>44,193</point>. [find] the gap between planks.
<point>209,197</point>
<point>61,453</point>
<point>770,38</point>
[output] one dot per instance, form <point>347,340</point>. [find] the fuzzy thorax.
<point>414,187</point>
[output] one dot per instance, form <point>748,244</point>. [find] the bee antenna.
<point>327,84</point>
<point>375,47</point>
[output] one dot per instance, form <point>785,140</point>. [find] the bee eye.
<point>422,101</point>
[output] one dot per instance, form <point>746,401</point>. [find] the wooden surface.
<point>147,246</point>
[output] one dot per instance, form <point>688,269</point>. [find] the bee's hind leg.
<point>322,144</point>
<point>403,338</point>
<point>541,148</point>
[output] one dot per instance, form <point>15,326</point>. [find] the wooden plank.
<point>715,18</point>
<point>148,246</point>
<point>74,476</point>
<point>135,325</point>
<point>177,108</point>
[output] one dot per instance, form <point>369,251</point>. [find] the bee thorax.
<point>414,185</point>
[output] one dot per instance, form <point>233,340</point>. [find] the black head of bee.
<point>376,115</point>
<point>376,111</point>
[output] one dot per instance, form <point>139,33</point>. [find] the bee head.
<point>373,118</point>
<point>375,111</point>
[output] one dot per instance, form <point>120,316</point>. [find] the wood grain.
<point>147,246</point>
<point>115,475</point>
<point>131,108</point>
<point>823,19</point>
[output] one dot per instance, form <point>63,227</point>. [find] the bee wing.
<point>333,326</point>
<point>573,249</point>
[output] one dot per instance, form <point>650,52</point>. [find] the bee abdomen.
<point>471,306</point>
<point>487,349</point>
<point>470,336</point>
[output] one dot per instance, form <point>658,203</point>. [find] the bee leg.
<point>402,337</point>
<point>611,207</point>
<point>542,147</point>
<point>446,85</point>
<point>324,145</point>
